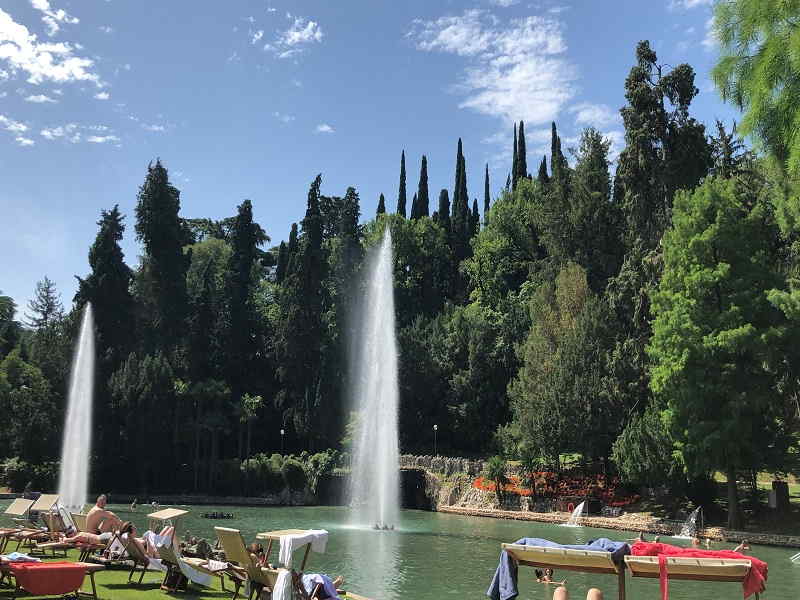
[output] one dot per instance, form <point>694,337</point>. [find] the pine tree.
<point>486,197</point>
<point>46,307</point>
<point>522,160</point>
<point>543,177</point>
<point>443,213</point>
<point>164,265</point>
<point>401,195</point>
<point>423,203</point>
<point>282,263</point>
<point>381,206</point>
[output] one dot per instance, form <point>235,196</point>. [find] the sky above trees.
<point>250,99</point>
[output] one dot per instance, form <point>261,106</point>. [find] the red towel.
<point>48,579</point>
<point>753,583</point>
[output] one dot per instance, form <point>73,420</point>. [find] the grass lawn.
<point>112,584</point>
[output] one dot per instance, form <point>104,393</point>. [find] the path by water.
<point>438,556</point>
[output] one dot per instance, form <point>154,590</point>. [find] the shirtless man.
<point>100,520</point>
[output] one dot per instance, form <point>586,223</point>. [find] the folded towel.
<point>318,538</point>
<point>216,565</point>
<point>19,557</point>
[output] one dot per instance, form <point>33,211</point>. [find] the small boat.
<point>217,515</point>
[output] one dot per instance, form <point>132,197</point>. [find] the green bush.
<point>294,474</point>
<point>16,474</point>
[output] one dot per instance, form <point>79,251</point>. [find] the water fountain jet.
<point>73,479</point>
<point>573,518</point>
<point>375,472</point>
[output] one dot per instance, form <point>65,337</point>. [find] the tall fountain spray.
<point>73,480</point>
<point>375,474</point>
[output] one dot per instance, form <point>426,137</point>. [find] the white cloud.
<point>102,96</point>
<point>557,10</point>
<point>11,125</point>
<point>153,127</point>
<point>23,141</point>
<point>40,99</point>
<point>283,117</point>
<point>55,62</point>
<point>291,42</point>
<point>516,71</point>
<point>271,9</point>
<point>69,132</point>
<point>4,75</point>
<point>257,36</point>
<point>617,139</point>
<point>710,40</point>
<point>504,3</point>
<point>102,139</point>
<point>688,4</point>
<point>324,128</point>
<point>106,29</point>
<point>596,115</point>
<point>53,18</point>
<point>3,94</point>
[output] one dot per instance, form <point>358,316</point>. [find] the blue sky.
<point>253,98</point>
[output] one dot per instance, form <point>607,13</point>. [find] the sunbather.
<point>149,541</point>
<point>547,577</point>
<point>85,537</point>
<point>743,545</point>
<point>100,520</point>
<point>561,593</point>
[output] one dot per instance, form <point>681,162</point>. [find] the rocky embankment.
<point>444,484</point>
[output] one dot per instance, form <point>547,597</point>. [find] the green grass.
<point>112,584</point>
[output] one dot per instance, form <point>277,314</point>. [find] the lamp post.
<point>282,433</point>
<point>435,430</point>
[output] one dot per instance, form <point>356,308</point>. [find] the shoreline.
<point>646,524</point>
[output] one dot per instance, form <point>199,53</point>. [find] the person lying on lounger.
<point>547,577</point>
<point>85,537</point>
<point>149,541</point>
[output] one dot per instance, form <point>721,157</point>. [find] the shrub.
<point>293,474</point>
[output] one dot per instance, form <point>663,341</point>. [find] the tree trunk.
<point>734,521</point>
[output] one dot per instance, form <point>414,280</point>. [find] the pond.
<point>436,555</point>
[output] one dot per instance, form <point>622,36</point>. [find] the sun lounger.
<point>50,579</point>
<point>45,502</point>
<point>256,576</point>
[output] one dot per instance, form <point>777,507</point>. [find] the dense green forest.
<point>642,311</point>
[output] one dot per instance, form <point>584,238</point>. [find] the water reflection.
<point>377,557</point>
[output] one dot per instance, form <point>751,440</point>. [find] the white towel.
<point>318,538</point>
<point>216,565</point>
<point>283,586</point>
<point>194,575</point>
<point>310,582</point>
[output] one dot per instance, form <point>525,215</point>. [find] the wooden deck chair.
<point>18,510</point>
<point>584,561</point>
<point>137,556</point>
<point>259,578</point>
<point>79,520</point>
<point>45,502</point>
<point>695,569</point>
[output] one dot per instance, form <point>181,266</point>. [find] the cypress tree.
<point>381,206</point>
<point>522,160</point>
<point>164,265</point>
<point>543,178</point>
<point>558,163</point>
<point>486,194</point>
<point>414,208</point>
<point>401,195</point>
<point>291,251</point>
<point>514,161</point>
<point>283,263</point>
<point>443,213</point>
<point>475,219</point>
<point>423,208</point>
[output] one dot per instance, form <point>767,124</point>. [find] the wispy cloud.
<point>106,29</point>
<point>257,36</point>
<point>102,139</point>
<point>68,132</point>
<point>504,3</point>
<point>324,128</point>
<point>102,95</point>
<point>53,18</point>
<point>283,118</point>
<point>294,40</point>
<point>21,50</point>
<point>23,141</point>
<point>11,125</point>
<point>710,39</point>
<point>596,115</point>
<point>688,4</point>
<point>516,70</point>
<point>40,99</point>
<point>153,127</point>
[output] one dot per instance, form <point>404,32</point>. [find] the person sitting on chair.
<point>100,520</point>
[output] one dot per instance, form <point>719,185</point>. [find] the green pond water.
<point>436,555</point>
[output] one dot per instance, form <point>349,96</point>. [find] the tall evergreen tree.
<point>475,219</point>
<point>543,177</point>
<point>46,307</point>
<point>381,206</point>
<point>282,263</point>
<point>558,162</point>
<point>423,203</point>
<point>443,213</point>
<point>414,208</point>
<point>486,196</point>
<point>522,154</point>
<point>291,250</point>
<point>401,194</point>
<point>162,286</point>
<point>514,161</point>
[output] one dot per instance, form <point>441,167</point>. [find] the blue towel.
<point>504,582</point>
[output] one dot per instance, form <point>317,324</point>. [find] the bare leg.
<point>561,593</point>
<point>594,594</point>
